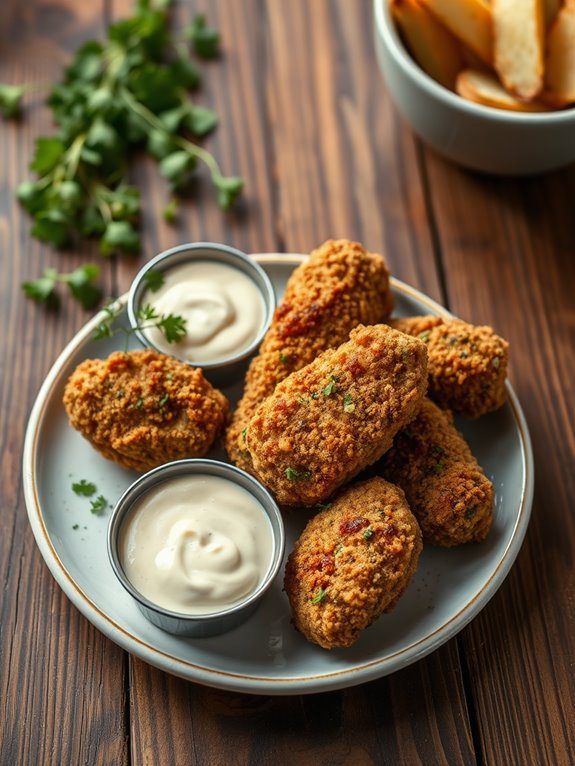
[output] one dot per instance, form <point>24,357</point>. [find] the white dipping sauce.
<point>196,544</point>
<point>223,308</point>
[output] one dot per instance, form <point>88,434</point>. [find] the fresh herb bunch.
<point>130,92</point>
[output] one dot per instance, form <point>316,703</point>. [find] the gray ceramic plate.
<point>266,655</point>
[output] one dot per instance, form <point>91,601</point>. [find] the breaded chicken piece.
<point>326,422</point>
<point>445,487</point>
<point>143,408</point>
<point>351,563</point>
<point>467,363</point>
<point>338,287</point>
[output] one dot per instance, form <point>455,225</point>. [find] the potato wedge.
<point>484,88</point>
<point>550,11</point>
<point>518,31</point>
<point>560,60</point>
<point>469,20</point>
<point>435,49</point>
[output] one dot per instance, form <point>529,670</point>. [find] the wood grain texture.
<point>507,253</point>
<point>337,140</point>
<point>410,720</point>
<point>60,705</point>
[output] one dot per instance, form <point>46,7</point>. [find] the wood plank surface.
<point>507,251</point>
<point>305,118</point>
<point>60,705</point>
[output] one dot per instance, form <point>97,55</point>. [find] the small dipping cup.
<point>208,623</point>
<point>218,369</point>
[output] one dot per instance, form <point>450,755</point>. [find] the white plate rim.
<point>303,684</point>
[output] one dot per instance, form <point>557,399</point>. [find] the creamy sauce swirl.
<point>196,544</point>
<point>223,308</point>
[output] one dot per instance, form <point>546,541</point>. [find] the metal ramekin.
<point>207,251</point>
<point>212,623</point>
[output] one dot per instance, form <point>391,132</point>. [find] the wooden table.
<point>306,119</point>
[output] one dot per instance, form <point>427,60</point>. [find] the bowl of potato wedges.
<point>489,84</point>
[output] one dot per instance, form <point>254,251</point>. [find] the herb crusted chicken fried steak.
<point>144,408</point>
<point>340,286</point>
<point>352,562</point>
<point>326,422</point>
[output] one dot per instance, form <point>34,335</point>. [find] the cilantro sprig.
<point>172,326</point>
<point>129,92</point>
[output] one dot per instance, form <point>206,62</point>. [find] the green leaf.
<point>205,40</point>
<point>82,287</point>
<point>84,488</point>
<point>154,279</point>
<point>160,144</point>
<point>186,73</point>
<point>176,166</point>
<point>173,327</point>
<point>119,235</point>
<point>11,100</point>
<point>42,290</point>
<point>32,196</point>
<point>99,505</point>
<point>229,189</point>
<point>69,195</point>
<point>170,211</point>
<point>92,221</point>
<point>49,152</point>
<point>201,120</point>
<point>52,226</point>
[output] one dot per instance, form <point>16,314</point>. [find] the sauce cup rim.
<point>198,251</point>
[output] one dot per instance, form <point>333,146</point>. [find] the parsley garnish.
<point>284,358</point>
<point>348,405</point>
<point>99,505</point>
<point>331,387</point>
<point>244,433</point>
<point>116,96</point>
<point>424,336</point>
<point>293,474</point>
<point>173,327</point>
<point>320,595</point>
<point>84,488</point>
<point>154,279</point>
<point>368,533</point>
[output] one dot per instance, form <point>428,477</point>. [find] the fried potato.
<point>560,61</point>
<point>469,20</point>
<point>518,46</point>
<point>484,88</point>
<point>550,11</point>
<point>435,49</point>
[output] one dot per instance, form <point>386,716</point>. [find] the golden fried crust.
<point>351,563</point>
<point>326,422</point>
<point>143,408</point>
<point>467,363</point>
<point>446,489</point>
<point>338,287</point>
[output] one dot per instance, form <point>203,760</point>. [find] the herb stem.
<point>193,149</point>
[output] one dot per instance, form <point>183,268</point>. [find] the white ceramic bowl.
<point>475,136</point>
